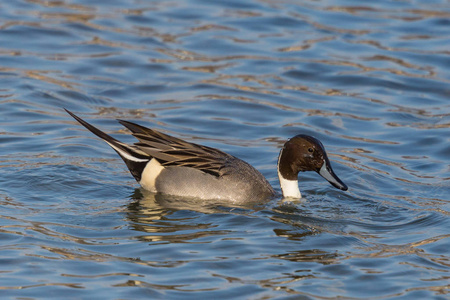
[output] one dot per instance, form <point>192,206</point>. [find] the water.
<point>369,79</point>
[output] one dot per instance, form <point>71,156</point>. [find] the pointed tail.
<point>135,159</point>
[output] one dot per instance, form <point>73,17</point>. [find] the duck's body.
<point>168,165</point>
<point>240,183</point>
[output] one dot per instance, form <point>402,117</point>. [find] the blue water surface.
<point>370,79</point>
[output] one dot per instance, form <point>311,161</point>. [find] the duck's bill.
<point>327,172</point>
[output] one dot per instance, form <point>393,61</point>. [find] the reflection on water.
<point>368,79</point>
<point>152,213</point>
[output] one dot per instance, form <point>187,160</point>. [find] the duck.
<point>164,164</point>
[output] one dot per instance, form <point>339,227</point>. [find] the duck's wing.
<point>172,151</point>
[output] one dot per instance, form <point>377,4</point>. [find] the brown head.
<point>306,153</point>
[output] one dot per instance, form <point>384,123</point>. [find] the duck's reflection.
<point>176,219</point>
<point>170,219</point>
<point>159,205</point>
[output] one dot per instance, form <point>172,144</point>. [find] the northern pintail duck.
<point>164,164</point>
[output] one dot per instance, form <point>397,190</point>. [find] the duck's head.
<point>304,153</point>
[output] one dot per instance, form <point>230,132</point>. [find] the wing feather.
<point>172,151</point>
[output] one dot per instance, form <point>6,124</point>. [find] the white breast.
<point>149,175</point>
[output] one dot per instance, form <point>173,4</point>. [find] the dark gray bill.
<point>327,172</point>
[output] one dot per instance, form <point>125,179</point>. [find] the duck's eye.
<point>310,150</point>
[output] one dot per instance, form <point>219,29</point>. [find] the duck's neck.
<point>289,187</point>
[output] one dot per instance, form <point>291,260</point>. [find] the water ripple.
<point>368,79</point>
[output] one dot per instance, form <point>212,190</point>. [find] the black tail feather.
<point>93,129</point>
<point>134,160</point>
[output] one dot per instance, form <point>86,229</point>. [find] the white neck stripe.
<point>289,188</point>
